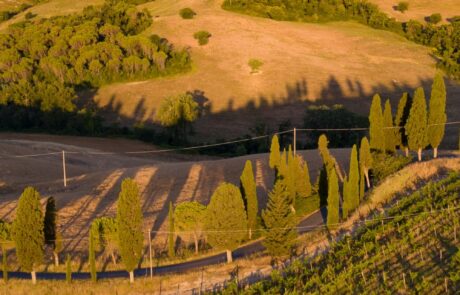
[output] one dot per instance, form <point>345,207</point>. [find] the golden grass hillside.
<point>342,62</point>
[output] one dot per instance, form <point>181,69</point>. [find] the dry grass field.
<point>419,9</point>
<point>8,4</point>
<point>303,63</point>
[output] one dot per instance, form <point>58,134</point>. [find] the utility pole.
<point>294,141</point>
<point>63,169</point>
<point>150,254</point>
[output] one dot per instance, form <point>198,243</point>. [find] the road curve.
<point>310,223</point>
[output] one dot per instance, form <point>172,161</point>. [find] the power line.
<point>209,145</point>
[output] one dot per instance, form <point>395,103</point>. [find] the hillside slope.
<point>411,247</point>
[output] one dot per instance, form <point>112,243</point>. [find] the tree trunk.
<point>131,277</point>
<point>196,243</point>
<point>419,154</point>
<point>250,233</point>
<point>229,256</point>
<point>406,149</point>
<point>114,260</point>
<point>435,151</point>
<point>5,262</point>
<point>366,173</point>
<point>34,277</point>
<point>56,258</point>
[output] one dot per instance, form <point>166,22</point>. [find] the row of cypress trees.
<point>31,230</point>
<point>232,215</point>
<point>353,184</point>
<point>413,127</point>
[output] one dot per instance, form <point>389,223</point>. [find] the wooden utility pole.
<point>63,169</point>
<point>295,141</point>
<point>150,254</point>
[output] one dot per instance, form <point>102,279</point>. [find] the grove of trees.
<point>44,62</point>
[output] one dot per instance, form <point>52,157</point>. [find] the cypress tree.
<point>279,222</point>
<point>323,150</point>
<point>416,126</point>
<point>353,179</point>
<point>389,131</point>
<point>129,221</point>
<point>68,269</point>
<point>302,182</point>
<point>290,179</point>
<point>361,185</point>
<point>282,168</point>
<point>5,242</point>
<point>365,159</point>
<point>328,159</point>
<point>275,156</point>
<point>92,256</point>
<point>346,203</point>
<point>28,232</point>
<point>322,186</point>
<point>400,121</point>
<point>249,193</point>
<point>225,220</point>
<point>332,199</point>
<point>171,232</point>
<point>4,263</point>
<point>437,116</point>
<point>376,131</point>
<point>52,238</point>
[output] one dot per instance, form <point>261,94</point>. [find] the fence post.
<point>294,144</point>
<point>63,169</point>
<point>150,255</point>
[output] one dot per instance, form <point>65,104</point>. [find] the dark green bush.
<point>30,15</point>
<point>435,18</point>
<point>187,13</point>
<point>386,164</point>
<point>333,117</point>
<point>402,6</point>
<point>202,37</point>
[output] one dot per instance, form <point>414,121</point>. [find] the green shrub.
<point>30,15</point>
<point>402,6</point>
<point>385,164</point>
<point>5,15</point>
<point>276,13</point>
<point>187,13</point>
<point>255,65</point>
<point>202,37</point>
<point>435,18</point>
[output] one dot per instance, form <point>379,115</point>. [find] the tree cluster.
<point>414,126</point>
<point>44,61</point>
